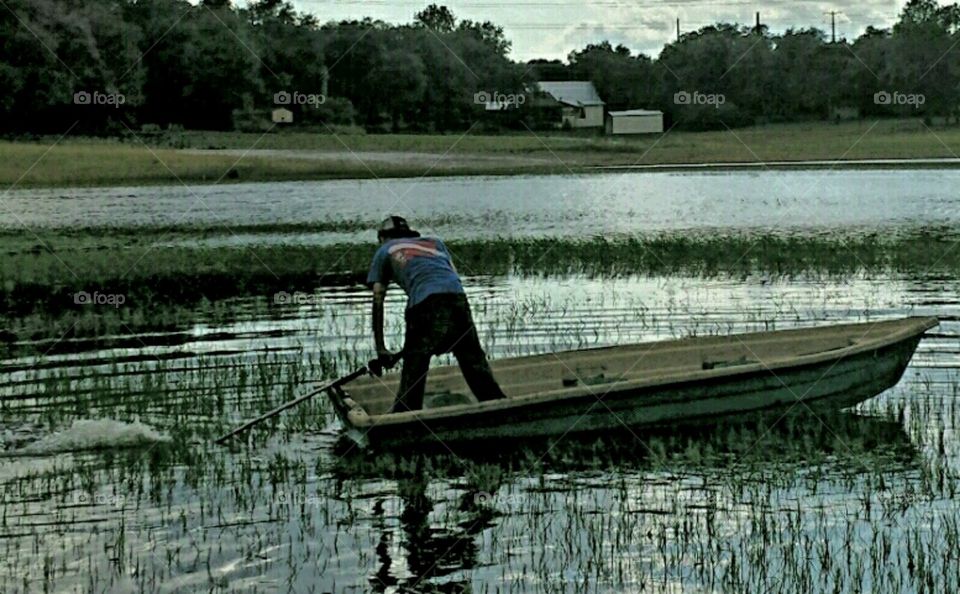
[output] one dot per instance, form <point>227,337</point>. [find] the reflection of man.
<point>438,315</point>
<point>431,551</point>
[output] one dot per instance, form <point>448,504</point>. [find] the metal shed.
<point>634,121</point>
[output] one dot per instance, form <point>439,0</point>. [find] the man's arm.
<point>379,292</point>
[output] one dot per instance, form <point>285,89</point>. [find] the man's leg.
<point>417,350</point>
<point>473,361</point>
<point>413,380</point>
<point>427,324</point>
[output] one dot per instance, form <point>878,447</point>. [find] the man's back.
<point>438,314</point>
<point>422,266</point>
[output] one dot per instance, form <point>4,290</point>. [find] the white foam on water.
<point>89,434</point>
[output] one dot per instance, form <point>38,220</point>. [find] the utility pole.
<point>678,29</point>
<point>758,21</point>
<point>833,24</point>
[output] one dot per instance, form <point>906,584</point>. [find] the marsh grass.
<point>34,263</point>
<point>170,288</point>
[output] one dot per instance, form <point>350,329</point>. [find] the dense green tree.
<point>549,70</point>
<point>622,80</point>
<point>488,33</point>
<point>924,58</point>
<point>198,64</point>
<point>353,51</point>
<point>437,18</point>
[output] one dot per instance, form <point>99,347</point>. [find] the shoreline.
<point>879,164</point>
<point>799,164</point>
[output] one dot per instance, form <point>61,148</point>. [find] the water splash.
<point>91,434</point>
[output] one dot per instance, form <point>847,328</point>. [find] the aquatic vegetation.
<point>171,288</point>
<point>35,263</point>
<point>859,501</point>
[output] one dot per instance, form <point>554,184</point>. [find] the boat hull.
<point>823,385</point>
<point>822,388</point>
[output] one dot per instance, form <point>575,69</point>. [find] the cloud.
<point>554,28</point>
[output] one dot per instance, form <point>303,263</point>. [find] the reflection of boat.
<point>766,437</point>
<point>667,382</point>
<point>421,550</point>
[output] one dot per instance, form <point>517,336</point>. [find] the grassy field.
<point>208,157</point>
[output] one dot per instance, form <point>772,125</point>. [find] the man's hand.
<point>385,360</point>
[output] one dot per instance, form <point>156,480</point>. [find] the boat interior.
<point>606,366</point>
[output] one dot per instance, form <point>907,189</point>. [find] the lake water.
<point>862,501</point>
<point>527,206</point>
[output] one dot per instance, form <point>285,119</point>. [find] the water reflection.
<point>436,542</point>
<point>430,552</point>
<point>777,436</point>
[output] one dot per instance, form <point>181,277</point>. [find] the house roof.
<point>572,92</point>
<point>636,112</point>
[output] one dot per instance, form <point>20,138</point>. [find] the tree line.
<point>111,65</point>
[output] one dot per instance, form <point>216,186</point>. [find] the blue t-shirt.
<point>422,266</point>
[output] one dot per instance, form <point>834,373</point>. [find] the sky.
<point>553,28</point>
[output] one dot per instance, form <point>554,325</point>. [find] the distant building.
<point>581,106</point>
<point>634,121</point>
<point>281,115</point>
<point>844,113</point>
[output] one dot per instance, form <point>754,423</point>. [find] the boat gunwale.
<point>911,327</point>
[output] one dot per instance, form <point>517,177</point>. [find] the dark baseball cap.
<point>395,226</point>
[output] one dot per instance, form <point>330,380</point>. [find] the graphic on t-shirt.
<point>402,252</point>
<point>421,266</point>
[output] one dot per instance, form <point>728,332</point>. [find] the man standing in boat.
<point>437,315</point>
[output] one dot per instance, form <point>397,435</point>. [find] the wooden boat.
<point>673,381</point>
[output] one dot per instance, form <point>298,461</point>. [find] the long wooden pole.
<point>333,384</point>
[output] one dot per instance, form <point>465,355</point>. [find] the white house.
<point>634,121</point>
<point>581,106</point>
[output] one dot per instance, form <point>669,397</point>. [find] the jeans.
<point>439,324</point>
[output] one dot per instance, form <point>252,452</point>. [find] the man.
<point>437,315</point>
